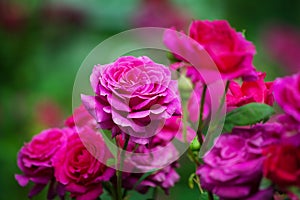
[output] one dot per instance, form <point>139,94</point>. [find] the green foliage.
<point>248,114</point>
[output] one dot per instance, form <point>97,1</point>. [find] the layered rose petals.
<point>134,96</point>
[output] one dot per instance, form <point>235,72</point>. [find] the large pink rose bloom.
<point>35,158</point>
<point>78,168</point>
<point>231,52</point>
<point>287,95</point>
<point>134,96</point>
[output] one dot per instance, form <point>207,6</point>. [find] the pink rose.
<point>134,96</point>
<point>287,95</point>
<point>213,43</point>
<point>35,158</point>
<point>251,91</point>
<point>232,53</point>
<point>78,168</point>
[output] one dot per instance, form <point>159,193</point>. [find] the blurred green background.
<point>44,42</point>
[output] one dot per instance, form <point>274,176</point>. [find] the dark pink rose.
<point>134,96</point>
<point>287,95</point>
<point>250,91</point>
<point>78,168</point>
<point>35,158</point>
<point>232,53</point>
<point>212,44</point>
<point>233,168</point>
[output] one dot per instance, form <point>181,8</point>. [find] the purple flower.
<point>134,96</point>
<point>290,129</point>
<point>164,178</point>
<point>233,168</point>
<point>287,95</point>
<point>35,158</point>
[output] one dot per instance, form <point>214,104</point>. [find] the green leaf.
<point>248,114</point>
<point>265,183</point>
<point>295,190</point>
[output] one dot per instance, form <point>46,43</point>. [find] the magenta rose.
<point>78,168</point>
<point>232,53</point>
<point>233,167</point>
<point>287,95</point>
<point>250,91</point>
<point>134,96</point>
<point>35,158</point>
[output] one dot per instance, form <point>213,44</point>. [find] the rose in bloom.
<point>134,96</point>
<point>250,91</point>
<point>231,52</point>
<point>35,158</point>
<point>233,167</point>
<point>78,168</point>
<point>287,95</point>
<point>282,165</point>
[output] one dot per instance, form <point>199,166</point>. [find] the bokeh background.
<point>43,43</point>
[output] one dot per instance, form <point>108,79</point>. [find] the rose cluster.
<point>137,100</point>
<point>256,156</point>
<point>241,159</point>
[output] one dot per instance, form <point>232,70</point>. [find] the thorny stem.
<point>200,124</point>
<point>119,171</point>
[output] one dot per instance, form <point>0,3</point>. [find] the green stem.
<point>154,194</point>
<point>119,171</point>
<point>223,97</point>
<point>200,124</point>
<point>210,195</point>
